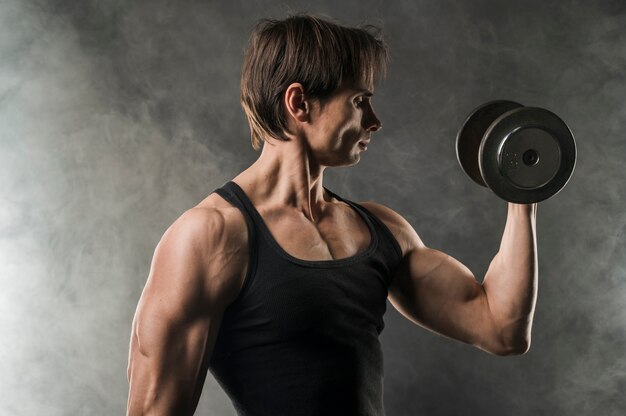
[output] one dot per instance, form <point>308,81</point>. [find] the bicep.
<point>439,293</point>
<point>175,322</point>
<point>436,291</point>
<point>164,377</point>
<point>167,358</point>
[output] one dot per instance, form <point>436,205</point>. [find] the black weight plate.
<point>538,159</point>
<point>471,134</point>
<point>529,158</point>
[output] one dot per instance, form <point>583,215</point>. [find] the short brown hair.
<point>311,50</point>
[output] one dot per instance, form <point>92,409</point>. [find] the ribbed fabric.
<point>302,337</point>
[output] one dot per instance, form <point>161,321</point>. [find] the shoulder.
<point>215,220</point>
<point>401,229</point>
<point>211,240</point>
<point>206,226</point>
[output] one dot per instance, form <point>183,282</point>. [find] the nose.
<point>371,122</point>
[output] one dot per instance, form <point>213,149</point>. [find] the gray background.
<point>117,116</point>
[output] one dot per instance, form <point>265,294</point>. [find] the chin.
<point>352,161</point>
<point>340,159</point>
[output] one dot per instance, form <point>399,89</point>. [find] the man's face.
<point>340,123</point>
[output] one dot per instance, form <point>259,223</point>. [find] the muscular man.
<point>277,285</point>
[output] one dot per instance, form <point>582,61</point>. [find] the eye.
<point>359,102</point>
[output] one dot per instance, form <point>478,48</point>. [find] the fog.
<point>116,117</point>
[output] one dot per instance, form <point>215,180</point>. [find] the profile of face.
<point>338,126</point>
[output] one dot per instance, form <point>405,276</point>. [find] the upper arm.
<point>439,293</point>
<point>179,313</point>
<point>436,291</point>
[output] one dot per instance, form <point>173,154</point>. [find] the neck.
<point>285,175</point>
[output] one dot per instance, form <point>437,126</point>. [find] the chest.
<point>339,234</point>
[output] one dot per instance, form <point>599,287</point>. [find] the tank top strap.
<point>232,193</point>
<point>381,227</point>
<point>229,193</point>
<point>246,205</point>
<point>354,205</point>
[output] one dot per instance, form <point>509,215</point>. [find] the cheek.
<point>342,132</point>
<point>351,129</point>
<point>350,122</point>
<point>342,129</point>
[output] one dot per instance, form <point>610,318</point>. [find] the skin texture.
<point>199,264</point>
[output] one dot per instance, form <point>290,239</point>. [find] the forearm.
<point>511,280</point>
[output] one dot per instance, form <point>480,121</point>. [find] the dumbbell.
<point>523,154</point>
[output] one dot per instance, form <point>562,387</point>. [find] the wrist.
<point>522,209</point>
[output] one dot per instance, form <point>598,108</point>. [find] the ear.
<point>296,103</point>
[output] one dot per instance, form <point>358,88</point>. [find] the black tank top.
<point>302,336</point>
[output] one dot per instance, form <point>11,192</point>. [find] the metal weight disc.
<point>529,158</point>
<point>527,155</point>
<point>471,134</point>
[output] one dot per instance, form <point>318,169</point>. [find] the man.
<point>278,285</point>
